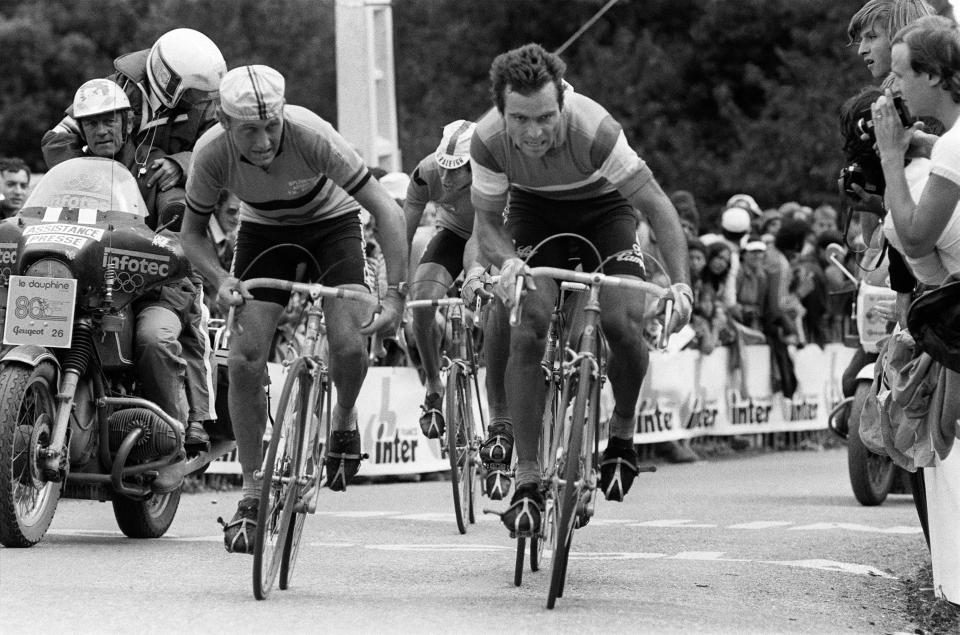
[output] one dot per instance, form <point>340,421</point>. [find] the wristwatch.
<point>400,288</point>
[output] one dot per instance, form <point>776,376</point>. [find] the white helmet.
<point>98,96</point>
<point>182,60</point>
<point>454,149</point>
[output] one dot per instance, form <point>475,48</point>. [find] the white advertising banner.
<point>685,395</point>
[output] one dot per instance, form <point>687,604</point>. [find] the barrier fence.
<point>685,395</point>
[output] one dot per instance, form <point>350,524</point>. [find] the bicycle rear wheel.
<point>279,475</point>
<point>311,457</point>
<point>575,470</point>
<point>457,444</point>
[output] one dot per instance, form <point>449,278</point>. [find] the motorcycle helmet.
<point>98,96</point>
<point>454,149</point>
<point>182,61</point>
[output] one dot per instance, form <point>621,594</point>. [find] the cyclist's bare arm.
<point>662,215</point>
<point>391,228</point>
<point>494,243</point>
<point>413,213</point>
<point>199,249</point>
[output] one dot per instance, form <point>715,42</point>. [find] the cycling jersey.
<point>311,178</point>
<point>454,209</point>
<point>589,158</point>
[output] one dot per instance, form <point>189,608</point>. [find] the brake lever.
<point>515,311</point>
<point>665,331</point>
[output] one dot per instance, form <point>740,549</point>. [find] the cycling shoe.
<point>431,421</point>
<point>498,447</point>
<point>342,459</point>
<point>239,535</point>
<point>618,468</point>
<point>496,482</point>
<point>522,518</point>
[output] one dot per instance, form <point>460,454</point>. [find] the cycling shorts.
<point>335,245</point>
<point>607,221</point>
<point>445,249</point>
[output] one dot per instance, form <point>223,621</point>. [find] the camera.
<point>866,172</point>
<point>865,120</point>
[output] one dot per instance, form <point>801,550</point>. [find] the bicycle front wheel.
<point>310,456</point>
<point>574,474</point>
<point>279,474</point>
<point>457,443</point>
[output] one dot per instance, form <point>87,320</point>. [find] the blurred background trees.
<point>718,96</point>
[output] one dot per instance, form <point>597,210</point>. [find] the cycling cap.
<point>99,96</point>
<point>745,201</point>
<point>454,149</point>
<point>181,61</point>
<point>735,220</point>
<point>396,184</point>
<point>251,93</point>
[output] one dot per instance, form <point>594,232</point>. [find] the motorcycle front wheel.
<point>27,413</point>
<point>871,475</point>
<point>149,518</point>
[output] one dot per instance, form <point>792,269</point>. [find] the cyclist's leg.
<point>339,245</point>
<point>622,318</point>
<point>497,450</point>
<point>246,365</point>
<point>529,222</point>
<point>250,342</point>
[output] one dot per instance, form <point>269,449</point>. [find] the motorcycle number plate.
<point>40,311</point>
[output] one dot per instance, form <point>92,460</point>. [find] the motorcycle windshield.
<point>89,183</point>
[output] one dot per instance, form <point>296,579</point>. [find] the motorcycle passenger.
<point>300,183</point>
<point>172,347</point>
<point>566,166</point>
<point>172,89</point>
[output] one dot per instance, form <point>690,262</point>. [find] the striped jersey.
<point>454,209</point>
<point>590,157</point>
<point>311,178</point>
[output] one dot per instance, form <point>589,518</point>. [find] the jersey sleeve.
<point>490,183</point>
<point>418,192</point>
<point>204,180</point>
<point>334,157</point>
<point>624,168</point>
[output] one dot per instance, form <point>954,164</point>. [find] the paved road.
<point>768,543</point>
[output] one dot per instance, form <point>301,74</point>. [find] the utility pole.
<point>366,93</point>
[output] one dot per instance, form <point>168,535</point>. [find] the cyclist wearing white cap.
<point>172,347</point>
<point>301,185</point>
<point>172,88</point>
<point>567,167</point>
<point>443,178</point>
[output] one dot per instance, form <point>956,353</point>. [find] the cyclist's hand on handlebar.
<point>506,288</point>
<point>388,320</point>
<point>682,296</point>
<point>232,292</point>
<point>474,285</point>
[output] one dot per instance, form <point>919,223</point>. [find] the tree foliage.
<point>718,96</point>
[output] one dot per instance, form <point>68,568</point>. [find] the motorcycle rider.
<point>172,89</point>
<point>171,339</point>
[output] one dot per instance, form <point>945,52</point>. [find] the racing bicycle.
<point>293,465</point>
<point>464,433</point>
<point>569,439</point>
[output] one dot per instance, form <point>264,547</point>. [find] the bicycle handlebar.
<point>413,304</point>
<point>315,290</point>
<point>594,278</point>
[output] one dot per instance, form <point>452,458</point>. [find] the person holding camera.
<point>925,62</point>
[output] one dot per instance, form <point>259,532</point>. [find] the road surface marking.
<point>670,522</point>
<point>761,524</point>
<point>831,565</point>
<point>856,527</point>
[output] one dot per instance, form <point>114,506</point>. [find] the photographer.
<point>925,60</point>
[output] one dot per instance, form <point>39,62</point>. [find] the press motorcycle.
<point>72,424</point>
<point>872,476</point>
